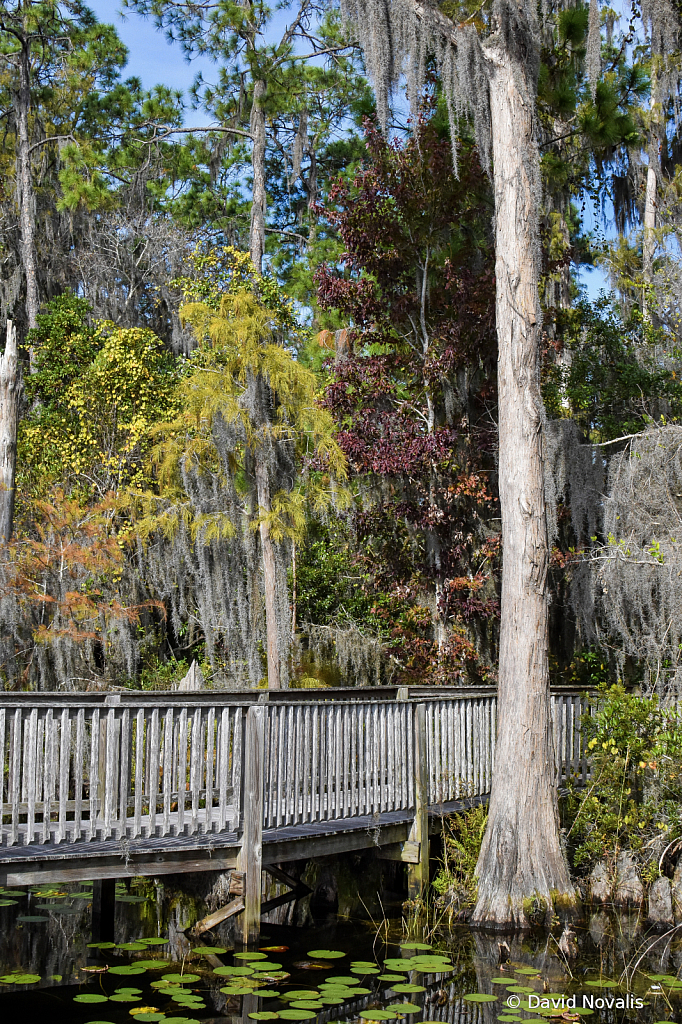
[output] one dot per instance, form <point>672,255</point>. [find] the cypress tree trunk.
<point>22,104</point>
<point>9,401</point>
<point>258,200</point>
<point>521,857</point>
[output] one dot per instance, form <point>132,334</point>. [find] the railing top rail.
<point>245,698</point>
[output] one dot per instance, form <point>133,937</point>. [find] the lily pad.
<point>157,940</point>
<point>479,997</point>
<point>526,970</point>
<point>274,949</point>
<point>124,997</point>
<point>415,945</point>
<point>602,983</point>
<point>127,969</point>
<point>210,950</point>
<point>90,997</point>
<point>376,1015</point>
<point>264,1015</point>
<point>398,964</point>
<point>333,1000</point>
<point>101,945</point>
<point>325,954</point>
<point>408,988</point>
<point>6,893</point>
<point>520,988</point>
<point>152,965</point>
<point>306,1004</point>
<point>265,965</point>
<point>182,979</point>
<point>236,990</point>
<point>404,1007</point>
<point>391,977</point>
<point>131,945</point>
<point>341,980</point>
<point>148,1017</point>
<point>297,1014</point>
<point>501,981</point>
<point>8,903</point>
<point>250,956</point>
<point>32,918</point>
<point>20,979</point>
<point>509,1017</point>
<point>228,971</point>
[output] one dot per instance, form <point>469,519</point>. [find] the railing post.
<point>250,858</point>
<point>418,874</point>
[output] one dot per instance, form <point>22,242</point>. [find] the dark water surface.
<point>334,970</point>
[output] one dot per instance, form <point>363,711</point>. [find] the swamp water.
<point>335,970</point>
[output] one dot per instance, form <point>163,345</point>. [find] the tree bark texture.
<point>269,574</point>
<point>521,858</point>
<point>25,198</point>
<point>258,203</point>
<point>649,238</point>
<point>9,403</point>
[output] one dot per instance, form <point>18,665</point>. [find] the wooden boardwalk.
<point>108,785</point>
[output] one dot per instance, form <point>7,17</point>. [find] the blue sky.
<point>154,60</point>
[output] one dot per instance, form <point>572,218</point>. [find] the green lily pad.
<point>306,1004</point>
<point>355,992</point>
<point>300,993</point>
<point>8,903</point>
<point>250,956</point>
<point>520,988</point>
<point>334,1000</point>
<point>325,954</point>
<point>228,971</point>
<point>265,965</point>
<point>152,965</point>
<point>6,893</point>
<point>149,1017</point>
<point>602,983</point>
<point>404,1007</point>
<point>509,1017</point>
<point>501,981</point>
<point>212,950</point>
<point>267,993</point>
<point>55,977</point>
<point>408,988</point>
<point>129,991</point>
<point>32,918</point>
<point>20,979</point>
<point>131,945</point>
<point>101,945</point>
<point>376,1015</point>
<point>297,1014</point>
<point>398,964</point>
<point>90,997</point>
<point>391,977</point>
<point>365,970</point>
<point>479,997</point>
<point>526,970</point>
<point>415,945</point>
<point>157,940</point>
<point>264,1015</point>
<point>182,979</point>
<point>124,997</point>
<point>81,896</point>
<point>341,980</point>
<point>127,969</point>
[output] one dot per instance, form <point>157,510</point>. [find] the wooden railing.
<point>79,767</point>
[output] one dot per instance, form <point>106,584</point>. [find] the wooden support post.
<point>250,858</point>
<point>103,909</point>
<point>418,874</point>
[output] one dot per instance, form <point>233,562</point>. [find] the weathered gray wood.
<point>223,769</point>
<point>78,774</point>
<point>124,772</point>
<point>110,778</point>
<point>222,914</point>
<point>153,752</point>
<point>93,773</point>
<point>195,766</point>
<point>139,772</point>
<point>251,853</point>
<point>31,730</point>
<point>49,774</point>
<point>418,873</point>
<point>167,762</point>
<point>64,764</point>
<point>407,852</point>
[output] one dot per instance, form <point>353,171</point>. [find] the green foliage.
<point>634,796</point>
<point>99,390</point>
<point>456,880</point>
<point>619,377</point>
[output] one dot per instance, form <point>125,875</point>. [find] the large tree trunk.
<point>521,857</point>
<point>22,101</point>
<point>9,401</point>
<point>649,239</point>
<point>269,574</point>
<point>258,201</point>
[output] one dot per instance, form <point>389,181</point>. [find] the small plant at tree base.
<point>633,798</point>
<point>455,886</point>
